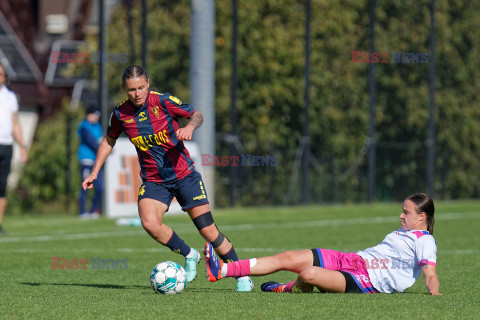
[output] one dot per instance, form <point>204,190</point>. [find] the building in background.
<point>29,29</point>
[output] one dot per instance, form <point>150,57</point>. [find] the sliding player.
<point>148,120</point>
<point>391,266</point>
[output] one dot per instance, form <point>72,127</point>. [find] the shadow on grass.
<point>146,289</point>
<point>92,285</point>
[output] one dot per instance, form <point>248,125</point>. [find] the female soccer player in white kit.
<point>391,266</point>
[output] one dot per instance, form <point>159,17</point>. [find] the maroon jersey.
<point>151,128</point>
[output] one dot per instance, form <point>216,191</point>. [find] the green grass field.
<point>30,288</point>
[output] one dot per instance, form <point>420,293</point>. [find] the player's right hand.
<point>88,182</point>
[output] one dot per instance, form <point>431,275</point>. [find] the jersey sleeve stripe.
<point>424,262</point>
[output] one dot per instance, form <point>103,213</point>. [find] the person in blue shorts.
<point>148,119</point>
<point>90,133</point>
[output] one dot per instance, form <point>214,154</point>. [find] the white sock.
<point>253,262</point>
<point>192,253</point>
<point>223,273</point>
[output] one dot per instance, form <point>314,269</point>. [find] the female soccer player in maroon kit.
<point>167,171</point>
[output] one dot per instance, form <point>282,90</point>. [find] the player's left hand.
<point>88,182</point>
<point>23,154</point>
<point>185,133</point>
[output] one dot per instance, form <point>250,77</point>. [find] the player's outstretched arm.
<point>431,280</point>
<point>104,150</point>
<point>186,132</point>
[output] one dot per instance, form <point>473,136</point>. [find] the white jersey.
<point>395,264</point>
<point>8,106</point>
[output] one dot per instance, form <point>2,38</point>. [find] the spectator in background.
<point>10,131</point>
<point>90,132</point>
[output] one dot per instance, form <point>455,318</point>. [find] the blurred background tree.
<point>44,186</point>
<point>270,96</point>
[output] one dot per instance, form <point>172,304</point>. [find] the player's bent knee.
<point>150,222</point>
<point>147,224</point>
<point>308,275</point>
<point>286,257</point>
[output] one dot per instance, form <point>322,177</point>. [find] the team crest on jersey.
<point>142,116</point>
<point>155,111</point>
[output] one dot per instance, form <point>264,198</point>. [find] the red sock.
<point>288,287</point>
<point>238,268</point>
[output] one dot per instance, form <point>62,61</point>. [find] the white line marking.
<point>92,251</point>
<point>342,222</point>
<point>185,228</point>
<point>73,236</point>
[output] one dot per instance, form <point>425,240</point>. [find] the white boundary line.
<point>92,251</point>
<point>259,226</point>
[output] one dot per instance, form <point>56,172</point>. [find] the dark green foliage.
<point>270,96</point>
<point>44,178</point>
<point>168,47</point>
<point>458,85</point>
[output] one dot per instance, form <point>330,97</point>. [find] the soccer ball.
<point>168,277</point>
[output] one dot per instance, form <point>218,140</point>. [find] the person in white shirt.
<point>10,131</point>
<point>392,266</point>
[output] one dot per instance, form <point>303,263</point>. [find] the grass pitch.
<point>31,288</point>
